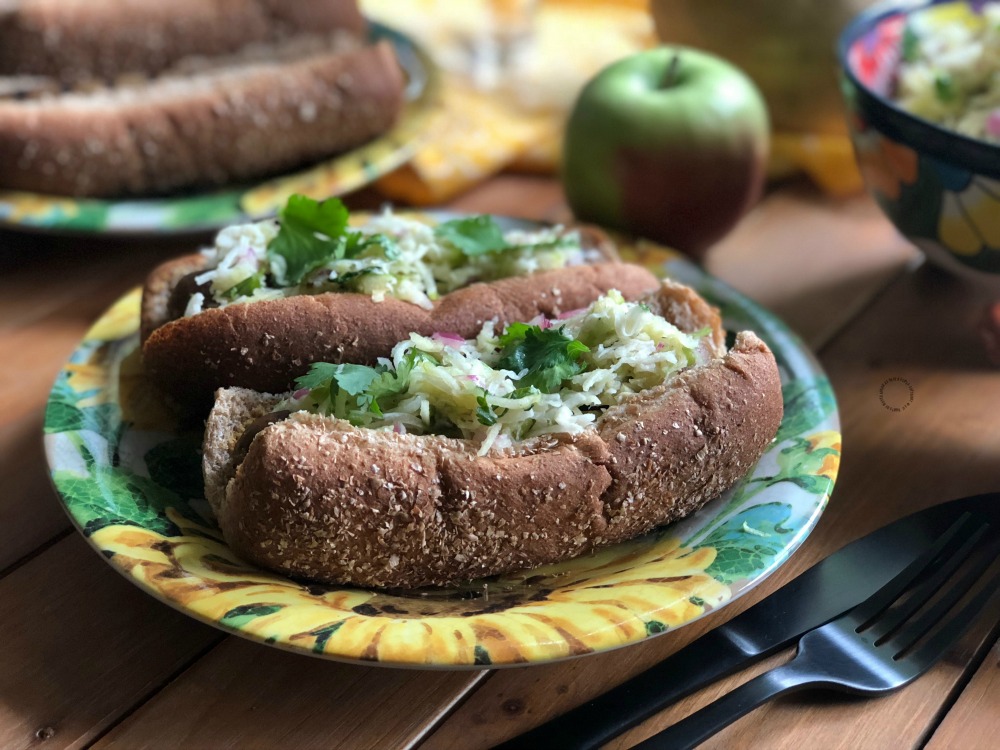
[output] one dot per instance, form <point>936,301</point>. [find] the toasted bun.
<point>77,40</point>
<point>318,498</point>
<point>226,121</point>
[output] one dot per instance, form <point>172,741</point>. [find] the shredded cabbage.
<point>402,258</point>
<point>950,71</point>
<point>443,384</point>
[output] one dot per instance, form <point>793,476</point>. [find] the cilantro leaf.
<point>320,374</point>
<point>475,235</point>
<point>355,392</point>
<point>355,243</point>
<point>484,412</point>
<point>245,288</point>
<point>478,235</point>
<point>345,279</point>
<point>355,379</point>
<point>548,355</point>
<point>352,379</point>
<point>311,235</point>
<point>513,333</point>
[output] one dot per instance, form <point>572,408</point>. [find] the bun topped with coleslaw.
<point>455,458</point>
<point>271,298</point>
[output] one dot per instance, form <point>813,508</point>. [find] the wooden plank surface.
<point>29,514</point>
<point>837,255</point>
<point>976,714</point>
<point>51,291</point>
<point>244,696</point>
<point>98,672</point>
<point>81,646</point>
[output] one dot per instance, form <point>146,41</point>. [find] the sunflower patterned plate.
<point>199,212</point>
<point>131,481</point>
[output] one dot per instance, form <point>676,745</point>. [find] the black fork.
<point>875,647</point>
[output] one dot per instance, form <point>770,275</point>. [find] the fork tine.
<point>892,619</point>
<point>941,641</point>
<point>880,600</point>
<point>923,624</point>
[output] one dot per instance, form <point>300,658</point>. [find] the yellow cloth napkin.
<point>494,118</point>
<point>827,160</point>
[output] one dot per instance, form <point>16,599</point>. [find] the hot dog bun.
<point>319,498</point>
<point>265,345</point>
<point>78,40</point>
<point>259,112</point>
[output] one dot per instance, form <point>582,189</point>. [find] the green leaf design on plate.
<point>65,417</point>
<point>802,463</point>
<point>111,495</point>
<point>63,413</point>
<point>807,404</point>
<point>61,416</point>
<point>655,627</point>
<point>176,465</point>
<point>482,656</point>
<point>749,542</point>
<point>204,210</point>
<point>323,635</point>
<point>238,617</point>
<point>79,215</point>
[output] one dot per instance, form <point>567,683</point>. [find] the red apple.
<point>670,144</point>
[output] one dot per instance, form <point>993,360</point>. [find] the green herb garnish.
<point>548,355</point>
<point>484,412</point>
<point>345,279</point>
<point>354,379</point>
<point>475,235</point>
<point>315,233</point>
<point>910,45</point>
<point>356,243</point>
<point>245,288</point>
<point>944,87</point>
<point>354,392</point>
<point>478,235</point>
<point>310,235</point>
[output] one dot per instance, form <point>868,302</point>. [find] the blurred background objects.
<point>788,49</point>
<point>514,68</point>
<point>511,78</point>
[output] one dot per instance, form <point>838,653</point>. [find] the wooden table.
<point>90,660</point>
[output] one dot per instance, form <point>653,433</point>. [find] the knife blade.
<point>824,591</point>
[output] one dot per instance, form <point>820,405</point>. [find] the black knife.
<point>817,596</point>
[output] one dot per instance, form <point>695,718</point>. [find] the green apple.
<point>670,144</point>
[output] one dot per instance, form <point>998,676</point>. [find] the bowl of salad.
<point>921,80</point>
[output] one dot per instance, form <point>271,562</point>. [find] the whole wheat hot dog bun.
<point>78,40</point>
<point>266,345</point>
<point>229,119</point>
<point>318,498</point>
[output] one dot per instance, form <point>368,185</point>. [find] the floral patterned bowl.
<point>940,188</point>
